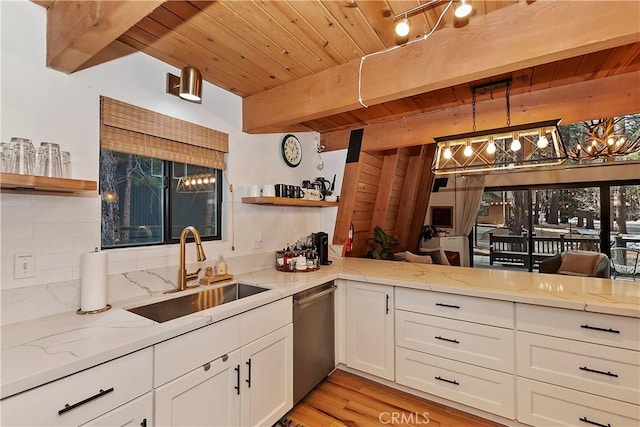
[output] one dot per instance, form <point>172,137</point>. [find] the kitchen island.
<point>39,351</point>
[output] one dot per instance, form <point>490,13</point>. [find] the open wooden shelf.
<point>44,184</point>
<point>286,201</point>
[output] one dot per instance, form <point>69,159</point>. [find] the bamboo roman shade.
<point>129,129</point>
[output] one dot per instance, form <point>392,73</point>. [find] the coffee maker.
<point>321,242</point>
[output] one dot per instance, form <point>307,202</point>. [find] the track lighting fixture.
<point>403,24</point>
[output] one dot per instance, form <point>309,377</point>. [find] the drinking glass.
<point>66,164</point>
<point>23,158</point>
<point>5,157</point>
<point>49,161</point>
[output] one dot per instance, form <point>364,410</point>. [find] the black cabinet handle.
<point>143,423</point>
<point>588,421</point>
<point>237,386</point>
<point>447,381</point>
<point>248,380</point>
<point>68,407</point>
<point>608,373</point>
<point>595,328</point>
<point>439,304</point>
<point>447,339</point>
<point>387,304</point>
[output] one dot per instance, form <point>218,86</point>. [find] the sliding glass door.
<point>519,228</point>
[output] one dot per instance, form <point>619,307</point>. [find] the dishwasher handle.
<point>320,294</point>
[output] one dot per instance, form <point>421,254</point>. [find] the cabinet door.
<point>207,396</point>
<point>137,413</point>
<point>267,380</point>
<point>370,329</point>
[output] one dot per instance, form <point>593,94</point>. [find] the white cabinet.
<point>370,329</point>
<point>206,396</point>
<point>83,396</point>
<point>137,413</point>
<point>576,368</point>
<point>251,385</point>
<point>456,347</point>
<point>267,380</point>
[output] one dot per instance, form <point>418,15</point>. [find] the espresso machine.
<point>321,242</point>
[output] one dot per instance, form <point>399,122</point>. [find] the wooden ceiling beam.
<point>78,30</point>
<point>610,96</point>
<point>515,37</point>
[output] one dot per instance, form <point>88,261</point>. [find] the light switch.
<point>25,266</point>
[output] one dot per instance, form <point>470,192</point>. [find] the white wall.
<point>46,105</point>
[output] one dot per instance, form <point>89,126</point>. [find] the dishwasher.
<point>313,338</point>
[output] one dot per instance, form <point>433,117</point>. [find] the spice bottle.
<point>221,266</point>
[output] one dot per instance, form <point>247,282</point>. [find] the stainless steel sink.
<point>177,307</point>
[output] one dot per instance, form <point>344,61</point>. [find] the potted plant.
<point>380,244</point>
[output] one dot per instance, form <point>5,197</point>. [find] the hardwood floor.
<point>344,399</point>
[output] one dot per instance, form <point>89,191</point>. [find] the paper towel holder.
<point>107,307</point>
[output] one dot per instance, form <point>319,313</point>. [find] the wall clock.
<point>291,150</point>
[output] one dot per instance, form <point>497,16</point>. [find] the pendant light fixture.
<point>188,86</point>
<point>604,138</point>
<point>510,147</point>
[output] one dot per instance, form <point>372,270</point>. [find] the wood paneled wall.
<point>390,189</point>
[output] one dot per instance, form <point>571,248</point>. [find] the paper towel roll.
<point>93,281</point>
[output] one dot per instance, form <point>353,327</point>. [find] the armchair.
<point>577,263</point>
<point>625,261</point>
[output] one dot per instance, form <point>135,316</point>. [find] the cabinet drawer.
<point>481,345</point>
<point>541,404</point>
<point>606,371</point>
<point>186,352</point>
<point>470,385</point>
<point>616,331</point>
<point>263,320</point>
<point>137,413</point>
<point>83,396</point>
<point>471,309</point>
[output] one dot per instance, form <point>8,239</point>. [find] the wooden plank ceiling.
<point>250,47</point>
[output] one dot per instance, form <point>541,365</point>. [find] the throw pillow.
<point>437,255</point>
<point>579,263</point>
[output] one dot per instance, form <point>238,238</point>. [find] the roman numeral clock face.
<point>291,150</point>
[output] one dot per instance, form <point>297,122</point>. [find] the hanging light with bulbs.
<point>603,139</point>
<point>510,147</point>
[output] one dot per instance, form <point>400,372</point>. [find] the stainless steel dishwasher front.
<point>313,338</point>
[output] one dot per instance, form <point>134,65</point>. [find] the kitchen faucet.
<point>183,276</point>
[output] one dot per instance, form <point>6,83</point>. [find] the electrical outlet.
<point>25,266</point>
<point>257,240</point>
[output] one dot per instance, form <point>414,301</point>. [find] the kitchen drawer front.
<point>82,396</point>
<point>541,404</point>
<point>460,307</point>
<point>263,320</point>
<point>468,342</point>
<point>136,413</point>
<point>186,352</point>
<point>470,385</point>
<point>605,371</point>
<point>606,329</point>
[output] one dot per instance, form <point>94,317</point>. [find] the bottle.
<point>221,266</point>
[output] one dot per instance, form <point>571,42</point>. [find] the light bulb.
<point>199,181</point>
<point>463,10</point>
<point>594,143</point>
<point>611,140</point>
<point>447,153</point>
<point>193,181</point>
<point>403,26</point>
<point>543,142</point>
<point>515,144</point>
<point>491,147</point>
<point>468,151</point>
<point>206,180</point>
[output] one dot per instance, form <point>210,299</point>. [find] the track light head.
<point>463,9</point>
<point>403,26</point>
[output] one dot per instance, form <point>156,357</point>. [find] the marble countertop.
<point>38,351</point>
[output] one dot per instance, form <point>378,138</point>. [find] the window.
<point>158,174</point>
<point>134,211</point>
